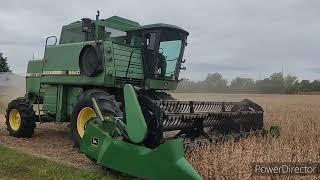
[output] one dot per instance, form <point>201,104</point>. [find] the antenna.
<point>98,14</point>
<point>96,27</point>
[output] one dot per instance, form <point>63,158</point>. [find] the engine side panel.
<point>127,59</point>
<point>59,101</point>
<point>50,99</point>
<point>72,98</point>
<point>62,66</point>
<point>33,77</point>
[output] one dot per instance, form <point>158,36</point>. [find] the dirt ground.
<point>50,140</point>
<point>297,115</point>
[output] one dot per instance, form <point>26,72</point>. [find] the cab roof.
<point>159,26</point>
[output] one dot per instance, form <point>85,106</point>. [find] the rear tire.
<point>20,118</point>
<point>84,110</point>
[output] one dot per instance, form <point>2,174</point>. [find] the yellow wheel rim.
<point>83,117</point>
<point>14,119</point>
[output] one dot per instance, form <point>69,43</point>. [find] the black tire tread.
<point>105,101</point>
<point>28,118</point>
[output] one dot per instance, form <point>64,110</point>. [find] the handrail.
<point>55,42</point>
<point>129,63</point>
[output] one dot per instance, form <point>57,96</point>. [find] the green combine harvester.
<point>108,78</point>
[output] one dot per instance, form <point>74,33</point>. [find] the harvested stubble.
<point>298,117</point>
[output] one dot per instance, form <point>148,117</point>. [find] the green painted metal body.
<point>57,76</point>
<point>35,70</point>
<point>136,124</point>
<point>123,54</point>
<point>102,143</point>
<point>123,62</point>
<point>165,162</point>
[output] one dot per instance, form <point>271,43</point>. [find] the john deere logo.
<point>95,141</point>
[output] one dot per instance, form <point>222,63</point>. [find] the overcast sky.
<point>248,38</point>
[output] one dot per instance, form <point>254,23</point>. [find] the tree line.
<point>4,67</point>
<point>275,83</point>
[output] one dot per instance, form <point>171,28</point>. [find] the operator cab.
<point>163,48</point>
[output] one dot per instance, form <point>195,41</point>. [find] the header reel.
<point>193,120</point>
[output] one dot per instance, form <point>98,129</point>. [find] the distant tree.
<point>3,64</point>
<point>242,83</point>
<point>305,86</point>
<point>275,83</point>
<point>185,83</point>
<point>315,85</point>
<point>264,86</point>
<point>297,86</point>
<point>189,85</point>
<point>215,82</point>
<point>276,77</point>
<point>278,82</point>
<point>289,84</point>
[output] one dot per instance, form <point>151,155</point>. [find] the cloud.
<point>248,37</point>
<point>314,70</point>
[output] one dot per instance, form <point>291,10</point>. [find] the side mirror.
<point>183,60</point>
<point>51,41</point>
<point>183,68</point>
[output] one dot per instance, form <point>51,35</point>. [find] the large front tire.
<point>20,118</point>
<point>84,111</point>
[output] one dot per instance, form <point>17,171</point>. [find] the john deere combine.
<point>108,77</point>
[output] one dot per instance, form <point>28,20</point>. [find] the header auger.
<point>108,78</point>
